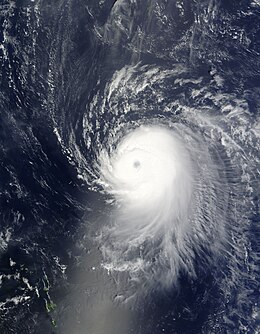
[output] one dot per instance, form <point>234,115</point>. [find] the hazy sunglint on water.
<point>161,216</point>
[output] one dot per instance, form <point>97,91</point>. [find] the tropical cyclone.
<point>161,217</point>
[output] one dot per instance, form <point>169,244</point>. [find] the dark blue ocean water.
<point>71,72</point>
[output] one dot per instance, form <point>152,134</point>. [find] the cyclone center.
<point>136,164</point>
